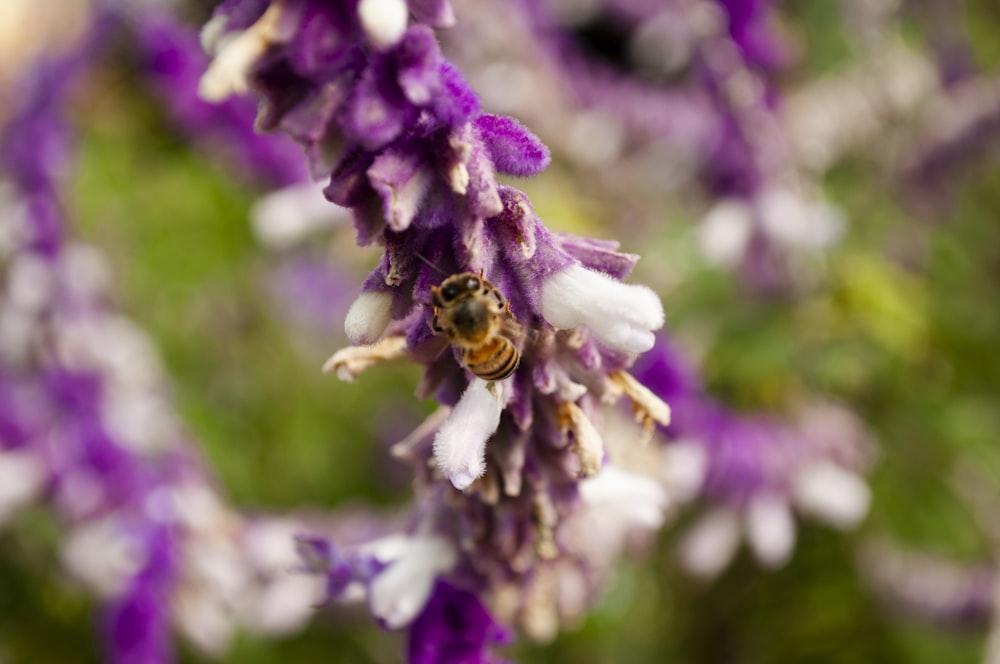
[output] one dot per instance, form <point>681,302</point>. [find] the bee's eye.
<point>472,284</point>
<point>449,292</point>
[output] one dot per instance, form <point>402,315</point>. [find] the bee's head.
<point>454,287</point>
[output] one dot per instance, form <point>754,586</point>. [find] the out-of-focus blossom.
<point>751,472</point>
<point>89,428</point>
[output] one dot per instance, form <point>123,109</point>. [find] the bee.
<point>476,318</point>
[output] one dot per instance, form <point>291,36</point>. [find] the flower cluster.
<point>88,427</point>
<point>749,470</point>
<point>501,465</point>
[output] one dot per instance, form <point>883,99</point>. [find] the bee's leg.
<point>435,326</point>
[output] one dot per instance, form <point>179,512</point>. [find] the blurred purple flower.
<point>454,628</point>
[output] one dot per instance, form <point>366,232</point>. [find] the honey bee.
<point>476,318</point>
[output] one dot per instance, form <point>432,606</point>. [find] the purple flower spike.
<point>454,628</point>
<point>500,464</point>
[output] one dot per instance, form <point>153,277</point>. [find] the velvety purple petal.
<point>456,103</point>
<point>454,628</point>
<point>323,41</point>
<point>419,63</point>
<point>349,181</point>
<point>401,178</point>
<point>513,149</point>
<point>599,255</point>
<point>377,110</point>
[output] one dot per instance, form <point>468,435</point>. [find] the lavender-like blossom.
<point>87,426</point>
<point>415,159</point>
<point>750,471</point>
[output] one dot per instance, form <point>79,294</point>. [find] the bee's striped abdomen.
<point>494,360</point>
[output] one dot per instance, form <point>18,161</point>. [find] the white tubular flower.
<point>384,21</point>
<point>285,217</point>
<point>460,443</point>
<point>828,492</point>
<point>685,467</point>
<point>770,530</point>
<point>399,593</point>
<point>798,222</point>
<point>724,232</point>
<point>625,499</point>
<point>621,315</point>
<point>710,544</point>
<point>101,556</point>
<point>368,317</point>
<point>22,476</point>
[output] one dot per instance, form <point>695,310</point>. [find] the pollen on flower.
<point>622,316</point>
<point>587,441</point>
<point>235,56</point>
<point>348,362</point>
<point>649,409</point>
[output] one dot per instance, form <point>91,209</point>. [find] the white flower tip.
<point>399,593</point>
<point>285,217</point>
<point>770,530</point>
<point>828,492</point>
<point>634,500</point>
<point>384,21</point>
<point>211,33</point>
<point>710,544</point>
<point>460,443</point>
<point>621,315</point>
<point>22,477</point>
<point>724,232</point>
<point>368,317</point>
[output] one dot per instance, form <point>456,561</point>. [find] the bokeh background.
<point>897,320</point>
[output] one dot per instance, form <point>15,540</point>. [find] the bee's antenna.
<point>430,264</point>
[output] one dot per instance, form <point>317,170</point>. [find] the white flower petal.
<point>710,544</point>
<point>384,21</point>
<point>685,467</point>
<point>22,476</point>
<point>204,619</point>
<point>460,443</point>
<point>400,592</point>
<point>368,317</point>
<point>286,603</point>
<point>828,492</point>
<point>632,499</point>
<point>724,232</point>
<point>770,530</point>
<point>101,556</point>
<point>800,223</point>
<point>235,55</point>
<point>620,315</point>
<point>285,217</point>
